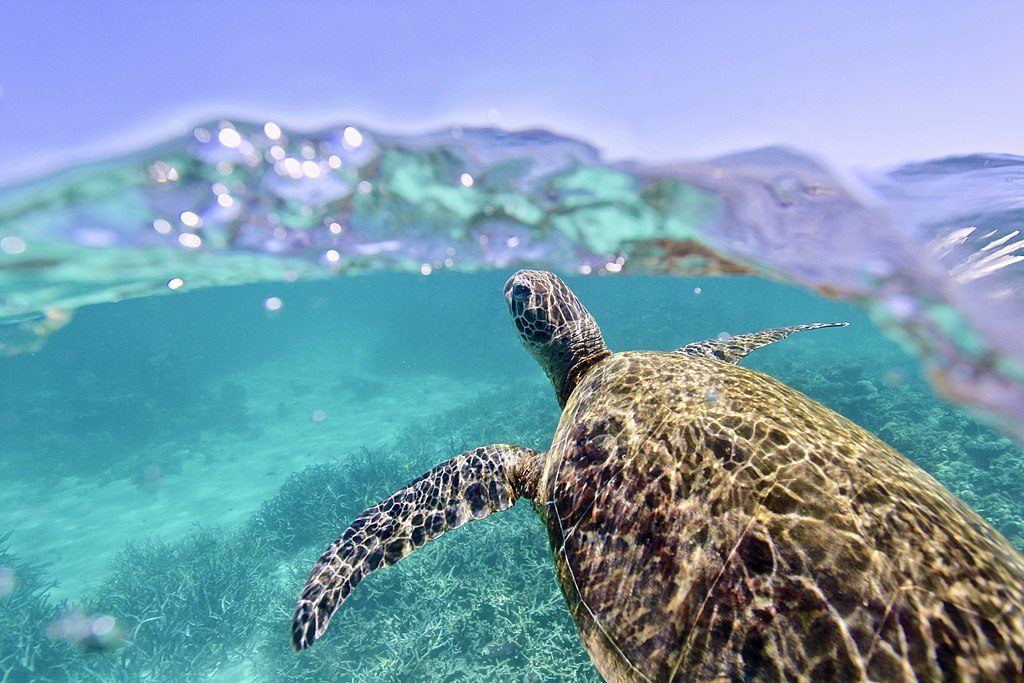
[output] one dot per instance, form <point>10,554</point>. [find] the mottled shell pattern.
<point>709,522</point>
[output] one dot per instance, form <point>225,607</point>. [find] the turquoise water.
<point>934,248</point>
<point>173,465</point>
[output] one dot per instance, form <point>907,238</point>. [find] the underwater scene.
<point>216,353</point>
<point>178,463</point>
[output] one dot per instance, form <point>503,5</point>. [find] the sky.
<point>860,84</point>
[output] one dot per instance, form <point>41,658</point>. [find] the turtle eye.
<point>520,292</point>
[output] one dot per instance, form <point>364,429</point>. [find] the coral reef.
<point>27,653</point>
<point>480,603</point>
<point>189,607</point>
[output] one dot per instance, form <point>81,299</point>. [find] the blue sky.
<point>862,84</point>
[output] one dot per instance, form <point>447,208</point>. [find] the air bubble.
<point>12,245</point>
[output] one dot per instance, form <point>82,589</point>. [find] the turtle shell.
<point>709,522</point>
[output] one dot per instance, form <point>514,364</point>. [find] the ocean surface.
<point>187,424</point>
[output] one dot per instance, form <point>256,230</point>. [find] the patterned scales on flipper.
<point>709,523</point>
<point>733,349</point>
<point>469,486</point>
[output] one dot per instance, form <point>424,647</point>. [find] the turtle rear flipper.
<point>733,349</point>
<point>469,486</point>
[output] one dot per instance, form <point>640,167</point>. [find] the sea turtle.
<point>709,522</point>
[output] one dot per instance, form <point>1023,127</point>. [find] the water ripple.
<point>934,249</point>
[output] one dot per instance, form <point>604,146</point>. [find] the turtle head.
<point>555,327</point>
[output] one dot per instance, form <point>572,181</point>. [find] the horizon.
<point>869,86</point>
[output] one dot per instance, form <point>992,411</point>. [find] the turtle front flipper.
<point>469,486</point>
<point>733,349</point>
